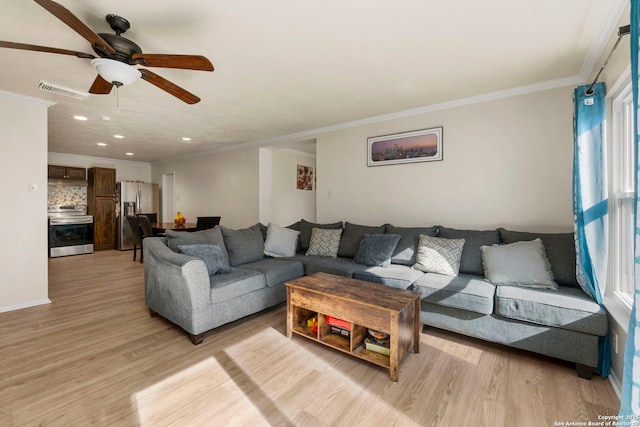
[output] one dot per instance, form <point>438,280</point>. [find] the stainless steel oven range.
<point>70,230</point>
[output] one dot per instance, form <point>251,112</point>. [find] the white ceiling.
<point>284,67</point>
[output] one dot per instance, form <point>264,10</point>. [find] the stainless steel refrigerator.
<point>133,198</point>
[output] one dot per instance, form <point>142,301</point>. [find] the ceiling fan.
<point>118,56</point>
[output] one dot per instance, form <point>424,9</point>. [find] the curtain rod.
<point>622,31</point>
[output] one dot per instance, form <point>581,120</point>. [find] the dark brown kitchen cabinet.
<point>66,172</point>
<point>101,203</point>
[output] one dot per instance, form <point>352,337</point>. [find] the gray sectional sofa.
<point>556,319</point>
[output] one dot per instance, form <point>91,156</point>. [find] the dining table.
<point>164,226</point>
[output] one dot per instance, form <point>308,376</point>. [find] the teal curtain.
<point>630,399</point>
<point>590,200</point>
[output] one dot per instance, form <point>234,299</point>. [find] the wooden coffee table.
<point>364,305</point>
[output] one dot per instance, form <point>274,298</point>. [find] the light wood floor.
<point>95,357</point>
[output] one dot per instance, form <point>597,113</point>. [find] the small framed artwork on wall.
<point>305,178</point>
<point>408,147</point>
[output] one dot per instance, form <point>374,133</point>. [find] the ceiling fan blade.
<point>63,14</point>
<point>169,87</point>
<point>22,46</point>
<point>100,86</point>
<point>187,62</point>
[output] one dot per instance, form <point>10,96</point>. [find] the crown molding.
<point>30,99</point>
<point>608,27</point>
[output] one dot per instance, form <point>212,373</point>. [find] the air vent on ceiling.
<point>50,87</point>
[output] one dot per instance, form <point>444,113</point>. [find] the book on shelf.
<point>372,344</point>
<point>334,321</point>
<point>340,331</point>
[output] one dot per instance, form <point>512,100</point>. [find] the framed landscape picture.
<point>408,147</point>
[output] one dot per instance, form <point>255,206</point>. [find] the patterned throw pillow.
<point>324,242</point>
<point>439,255</point>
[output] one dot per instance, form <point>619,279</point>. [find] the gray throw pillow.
<point>519,263</point>
<point>405,253</point>
<point>376,249</point>
<point>211,236</point>
<point>352,235</point>
<point>324,242</point>
<point>439,255</point>
<point>212,255</point>
<point>306,227</point>
<point>280,241</point>
<point>560,249</point>
<point>245,245</point>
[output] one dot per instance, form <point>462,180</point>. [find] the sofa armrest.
<point>176,285</point>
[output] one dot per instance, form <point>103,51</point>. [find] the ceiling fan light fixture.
<point>116,72</point>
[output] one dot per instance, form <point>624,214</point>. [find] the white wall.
<point>506,163</point>
<point>288,204</point>
<point>125,170</point>
<point>23,247</point>
<point>223,184</point>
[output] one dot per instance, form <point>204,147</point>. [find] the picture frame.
<point>423,145</point>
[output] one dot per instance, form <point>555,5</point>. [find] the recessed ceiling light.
<point>186,138</point>
<point>107,118</point>
<point>129,154</point>
<point>81,118</point>
<point>118,136</point>
<point>102,144</point>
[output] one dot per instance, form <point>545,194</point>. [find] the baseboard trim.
<point>616,384</point>
<point>25,305</point>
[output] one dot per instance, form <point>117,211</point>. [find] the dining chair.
<point>206,222</point>
<point>136,236</point>
<point>153,217</point>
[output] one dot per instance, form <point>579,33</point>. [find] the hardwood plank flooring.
<point>94,357</point>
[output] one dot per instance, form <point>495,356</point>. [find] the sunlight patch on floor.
<point>197,396</point>
<point>460,351</point>
<point>306,389</point>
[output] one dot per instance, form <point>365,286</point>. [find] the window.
<point>621,238</point>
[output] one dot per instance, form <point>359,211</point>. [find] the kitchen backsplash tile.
<point>63,194</point>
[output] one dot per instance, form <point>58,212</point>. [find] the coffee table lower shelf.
<point>343,344</point>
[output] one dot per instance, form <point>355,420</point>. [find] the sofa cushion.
<point>569,308</point>
<point>560,248</point>
<point>305,228</point>
<point>245,245</point>
<point>352,235</point>
<point>439,255</point>
<point>280,241</point>
<point>376,249</point>
<point>338,266</point>
<point>471,260</point>
<point>211,236</point>
<point>240,282</point>
<point>276,271</point>
<point>397,276</point>
<point>405,253</point>
<point>324,242</point>
<point>212,255</point>
<point>465,291</point>
<point>519,263</point>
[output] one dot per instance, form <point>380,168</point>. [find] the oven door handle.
<point>70,221</point>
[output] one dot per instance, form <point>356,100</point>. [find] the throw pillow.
<point>519,263</point>
<point>212,255</point>
<point>439,255</point>
<point>306,228</point>
<point>405,253</point>
<point>245,245</point>
<point>352,235</point>
<point>471,260</point>
<point>211,236</point>
<point>280,241</point>
<point>324,242</point>
<point>376,249</point>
